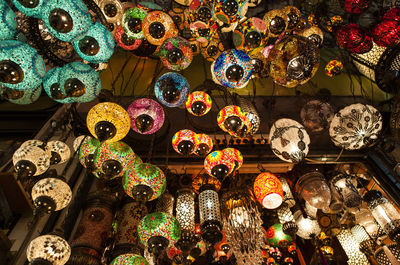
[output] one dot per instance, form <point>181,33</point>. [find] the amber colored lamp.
<point>268,190</point>
<point>219,164</point>
<point>185,142</point>
<point>198,103</point>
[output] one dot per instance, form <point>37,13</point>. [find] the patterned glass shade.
<point>176,53</point>
<point>129,259</point>
<point>34,155</point>
<point>8,23</point>
<point>236,155</point>
<point>276,21</point>
<point>316,115</point>
<point>134,16</point>
<point>34,10</point>
<point>112,10</point>
<point>307,227</point>
<point>58,152</point>
<point>268,190</point>
<point>289,140</point>
<point>314,189</point>
<point>382,257</point>
<point>233,68</point>
<point>276,238</point>
<point>25,68</point>
<point>198,103</point>
<point>51,85</point>
<point>33,142</point>
<point>111,113</point>
<point>228,113</point>
<point>171,89</point>
<point>185,142</point>
<point>209,206</point>
<point>343,183</point>
<point>214,160</point>
<point>159,224</point>
<point>354,39</point>
<point>52,189</point>
<point>51,248</point>
<point>202,25</point>
<point>359,233</point>
<point>364,217</point>
<point>199,180</point>
<point>252,115</point>
<point>313,34</point>
<point>356,126</point>
<point>97,45</point>
<point>287,192</point>
<point>124,41</point>
<point>285,215</point>
<point>205,144</point>
<point>28,97</point>
<point>224,13</point>
<point>144,175</point>
<point>185,212</point>
<point>75,13</point>
<point>167,26</point>
<point>78,141</point>
<point>87,150</point>
<point>147,114</point>
<point>251,35</point>
<point>352,248</point>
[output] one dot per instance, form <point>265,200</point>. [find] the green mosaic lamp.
<point>129,259</point>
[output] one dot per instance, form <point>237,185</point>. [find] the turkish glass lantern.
<point>22,97</point>
<point>144,182</point>
<point>157,231</point>
<point>333,68</point>
<point>293,15</point>
<point>236,155</point>
<point>58,152</point>
<point>251,35</point>
<point>201,22</point>
<point>314,189</point>
<point>276,237</point>
<point>51,194</point>
<point>353,38</point>
<point>352,248</point>
<point>175,53</point>
<point>87,151</point>
<point>97,45</point>
<point>171,89</point>
<point>210,215</point>
<point>219,164</point>
<point>367,245</point>
<point>268,190</point>
<point>29,8</point>
<point>132,22</point>
<point>344,185</point>
<point>185,142</point>
<point>147,116</point>
<point>67,21</point>
<point>307,228</point>
<point>129,259</point>
<point>80,82</point>
<point>205,144</point>
<point>165,203</point>
<point>364,217</point>
<point>199,180</point>
<point>356,6</point>
<point>386,33</point>
<point>124,41</point>
<point>230,118</point>
<point>313,34</point>
<point>229,11</point>
<point>108,121</point>
<point>157,27</point>
<point>287,192</point>
<point>233,68</point>
<point>51,85</point>
<point>384,213</point>
<point>293,61</point>
<point>289,140</point>
<point>286,218</point>
<point>252,115</point>
<point>8,23</point>
<point>30,161</point>
<point>276,21</point>
<point>21,66</point>
<point>78,141</point>
<point>356,126</point>
<point>311,211</point>
<point>48,249</point>
<point>388,254</point>
<point>198,103</point>
<point>112,10</point>
<point>211,50</point>
<point>185,212</point>
<point>392,14</point>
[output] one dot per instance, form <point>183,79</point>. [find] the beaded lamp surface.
<point>35,156</point>
<point>198,103</point>
<point>8,23</point>
<point>251,35</point>
<point>124,41</point>
<point>158,26</point>
<point>28,97</point>
<point>129,259</point>
<point>32,9</point>
<point>132,22</point>
<point>230,118</point>
<point>307,227</point>
<point>205,144</point>
<point>53,249</point>
<point>228,11</point>
<point>87,151</point>
<point>218,164</point>
<point>112,10</point>
<point>147,115</point>
<point>53,189</point>
<point>176,53</point>
<point>58,152</point>
<point>51,85</point>
<point>236,155</point>
<point>276,21</point>
<point>268,190</point>
<point>171,89</point>
<point>185,142</point>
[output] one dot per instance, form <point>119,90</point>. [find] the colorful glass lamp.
<point>87,150</point>
<point>185,142</point>
<point>176,53</point>
<point>171,89</point>
<point>198,103</point>
<point>158,26</point>
<point>129,259</point>
<point>147,116</point>
<point>236,155</point>
<point>251,35</point>
<point>230,119</point>
<point>132,22</point>
<point>276,237</point>
<point>219,164</point>
<point>205,144</point>
<point>30,161</point>
<point>8,22</point>
<point>48,249</point>
<point>58,152</point>
<point>124,41</point>
<point>22,97</point>
<point>51,85</point>
<point>268,190</point>
<point>51,194</point>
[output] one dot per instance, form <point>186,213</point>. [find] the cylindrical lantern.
<point>48,249</point>
<point>268,190</point>
<point>185,209</point>
<point>313,188</point>
<point>307,228</point>
<point>388,256</point>
<point>210,216</point>
<point>351,247</point>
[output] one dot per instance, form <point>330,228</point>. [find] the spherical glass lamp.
<point>87,151</point>
<point>22,97</point>
<point>211,50</point>
<point>233,68</point>
<point>132,22</point>
<point>185,142</point>
<point>144,182</point>
<point>205,144</point>
<point>289,140</point>
<point>30,161</point>
<point>250,35</point>
<point>229,11</point>
<point>108,121</point>
<point>230,118</point>
<point>129,259</point>
<point>307,228</point>
<point>158,26</point>
<point>51,194</point>
<point>236,155</point>
<point>198,103</point>
<point>29,8</point>
<point>268,190</point>
<point>147,116</point>
<point>276,21</point>
<point>313,34</point>
<point>112,10</point>
<point>293,15</point>
<point>8,23</point>
<point>97,45</point>
<point>353,38</point>
<point>316,115</point>
<point>201,22</point>
<point>314,189</point>
<point>58,152</point>
<point>276,237</point>
<point>48,249</point>
<point>176,53</point>
<point>157,231</point>
<point>356,126</point>
<point>33,142</point>
<point>124,41</point>
<point>171,89</point>
<point>51,85</point>
<point>219,164</point>
<point>22,68</point>
<point>67,21</point>
<point>386,33</point>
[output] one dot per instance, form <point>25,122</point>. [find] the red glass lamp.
<point>205,144</point>
<point>198,103</point>
<point>268,190</point>
<point>185,142</point>
<point>236,155</point>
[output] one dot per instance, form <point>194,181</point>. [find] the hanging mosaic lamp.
<point>356,6</point>
<point>51,85</point>
<point>80,82</point>
<point>289,140</point>
<point>112,10</point>
<point>144,182</point>
<point>8,22</point>
<point>157,231</point>
<point>316,115</point>
<point>293,15</point>
<point>252,115</point>
<point>356,126</point>
<point>268,190</point>
<point>353,38</point>
<point>132,22</point>
<point>308,228</point>
<point>229,11</point>
<point>386,33</point>
<point>157,27</point>
<point>205,144</point>
<point>352,248</point>
<point>251,35</point>
<point>97,45</point>
<point>30,161</point>
<point>276,21</point>
<point>313,34</point>
<point>333,68</point>
<point>201,22</point>
<point>185,142</point>
<point>236,155</point>
<point>176,53</point>
<point>129,259</point>
<point>108,121</point>
<point>33,142</point>
<point>58,152</point>
<point>22,67</point>
<point>314,189</point>
<point>219,164</point>
<point>51,194</point>
<point>276,237</point>
<point>67,21</point>
<point>233,68</point>
<point>22,97</point>
<point>48,249</point>
<point>29,8</point>
<point>198,103</point>
<point>171,89</point>
<point>124,41</point>
<point>211,50</point>
<point>147,116</point>
<point>87,150</point>
<point>230,118</point>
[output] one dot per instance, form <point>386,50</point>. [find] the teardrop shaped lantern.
<point>30,161</point>
<point>185,142</point>
<point>171,89</point>
<point>205,144</point>
<point>48,249</point>
<point>58,152</point>
<point>219,164</point>
<point>198,103</point>
<point>147,116</point>
<point>176,53</point>
<point>268,190</point>
<point>230,119</point>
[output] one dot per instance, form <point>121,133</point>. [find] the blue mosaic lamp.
<point>28,97</point>
<point>8,23</point>
<point>132,22</point>
<point>67,20</point>
<point>80,82</point>
<point>21,67</point>
<point>97,46</point>
<point>51,85</point>
<point>171,89</point>
<point>32,8</point>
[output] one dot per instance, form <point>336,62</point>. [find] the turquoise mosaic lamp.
<point>51,85</point>
<point>8,23</point>
<point>32,8</point>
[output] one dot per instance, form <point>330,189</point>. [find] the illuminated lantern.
<point>286,218</point>
<point>30,8</point>
<point>185,142</point>
<point>352,248</point>
<point>229,11</point>
<point>132,22</point>
<point>251,114</point>
<point>356,126</point>
<point>205,144</point>
<point>185,211</point>
<point>201,22</point>
<point>58,152</point>
<point>289,140</point>
<point>219,164</point>
<point>51,194</point>
<point>314,189</point>
<point>236,155</point>
<point>250,35</point>
<point>268,190</point>
<point>144,182</point>
<point>30,161</point>
<point>386,33</point>
<point>108,121</point>
<point>210,215</point>
<point>343,183</point>
<point>259,62</point>
<point>146,115</point>
<point>353,38</point>
<point>198,103</point>
<point>356,6</point>
<point>129,259</point>
<point>307,228</point>
<point>367,245</point>
<point>158,26</point>
<point>51,84</point>
<point>276,237</point>
<point>112,10</point>
<point>316,115</point>
<point>124,41</point>
<point>8,23</point>
<point>293,16</point>
<point>233,68</point>
<point>230,118</point>
<point>333,68</point>
<point>87,151</point>
<point>48,249</point>
<point>171,89</point>
<point>287,192</point>
<point>388,254</point>
<point>200,180</point>
<point>22,97</point>
<point>211,50</point>
<point>365,218</point>
<point>276,21</point>
<point>176,53</point>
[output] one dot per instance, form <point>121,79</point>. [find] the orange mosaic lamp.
<point>185,142</point>
<point>219,164</point>
<point>198,103</point>
<point>205,144</point>
<point>268,190</point>
<point>236,155</point>
<point>230,119</point>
